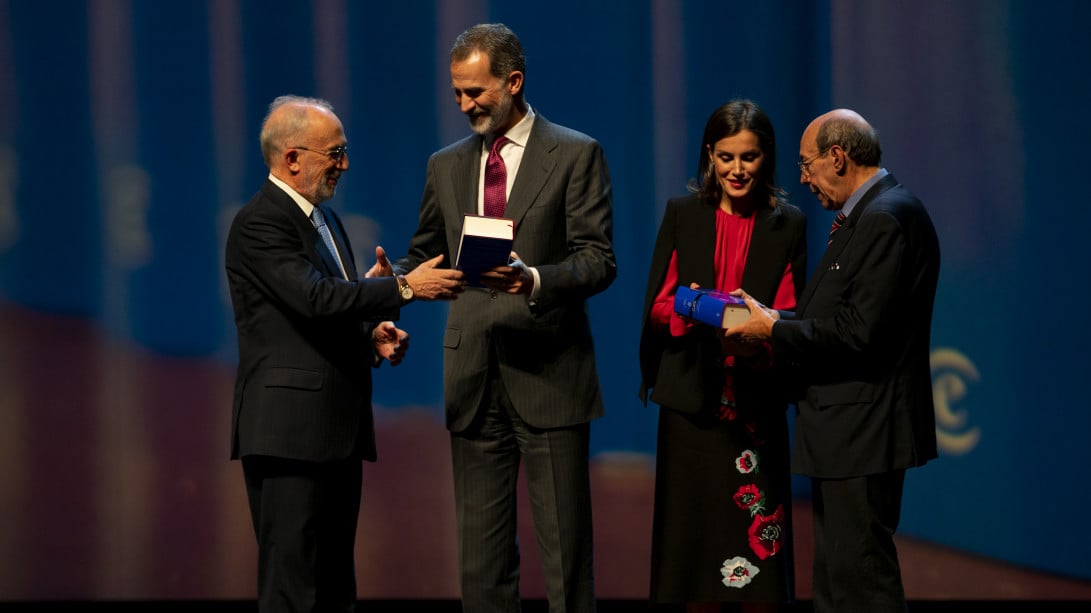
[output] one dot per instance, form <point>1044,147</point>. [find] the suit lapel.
<point>465,175</point>
<point>762,255</point>
<point>829,261</point>
<point>333,222</point>
<point>695,260</point>
<point>309,233</point>
<point>537,165</point>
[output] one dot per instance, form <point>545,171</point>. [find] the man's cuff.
<point>537,289</point>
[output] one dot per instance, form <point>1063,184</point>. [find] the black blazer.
<point>303,389</point>
<point>685,373</point>
<point>861,342</point>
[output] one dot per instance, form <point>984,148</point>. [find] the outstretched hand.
<point>432,283</point>
<point>390,342</point>
<point>382,267</point>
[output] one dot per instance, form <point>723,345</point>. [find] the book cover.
<point>485,243</point>
<point>711,307</point>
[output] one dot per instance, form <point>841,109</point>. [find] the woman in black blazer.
<point>721,531</point>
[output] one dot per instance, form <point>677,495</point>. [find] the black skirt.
<point>722,520</point>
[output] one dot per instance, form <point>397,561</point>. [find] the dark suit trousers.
<point>486,461</point>
<point>305,516</point>
<point>855,561</point>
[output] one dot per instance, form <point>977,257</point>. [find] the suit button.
<point>492,294</point>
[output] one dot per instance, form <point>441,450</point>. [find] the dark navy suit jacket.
<point>860,342</point>
<point>303,389</point>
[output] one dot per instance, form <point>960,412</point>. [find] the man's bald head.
<point>304,145</point>
<point>851,132</point>
<point>290,118</point>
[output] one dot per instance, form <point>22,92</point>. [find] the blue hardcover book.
<point>711,307</point>
<point>485,244</point>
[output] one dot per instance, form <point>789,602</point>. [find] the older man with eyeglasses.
<point>309,330</point>
<point>858,347</point>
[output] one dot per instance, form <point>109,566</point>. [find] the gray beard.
<point>493,118</point>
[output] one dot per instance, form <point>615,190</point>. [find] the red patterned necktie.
<point>496,180</point>
<point>840,219</point>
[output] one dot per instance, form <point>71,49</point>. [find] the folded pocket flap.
<point>452,337</point>
<point>850,392</point>
<point>296,378</point>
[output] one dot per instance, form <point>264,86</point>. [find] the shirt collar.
<point>304,204</point>
<point>519,133</point>
<point>851,203</point>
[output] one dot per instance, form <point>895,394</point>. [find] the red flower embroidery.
<point>767,533</point>
<point>756,436</point>
<point>728,412</point>
<point>750,497</point>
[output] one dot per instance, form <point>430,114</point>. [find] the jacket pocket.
<point>452,337</point>
<point>294,378</point>
<point>848,393</point>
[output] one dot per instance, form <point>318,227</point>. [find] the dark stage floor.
<point>116,494</point>
<point>530,606</point>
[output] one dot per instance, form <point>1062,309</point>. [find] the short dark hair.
<point>728,120</point>
<point>498,42</point>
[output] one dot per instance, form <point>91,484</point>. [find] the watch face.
<point>407,292</point>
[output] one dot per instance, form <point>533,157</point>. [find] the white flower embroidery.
<point>747,462</point>
<point>738,571</point>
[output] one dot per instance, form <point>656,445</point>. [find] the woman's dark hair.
<point>729,120</point>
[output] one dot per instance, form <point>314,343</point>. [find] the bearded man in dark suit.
<point>520,383</point>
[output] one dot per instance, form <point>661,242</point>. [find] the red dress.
<point>723,484</point>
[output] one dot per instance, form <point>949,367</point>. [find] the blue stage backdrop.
<point>129,136</point>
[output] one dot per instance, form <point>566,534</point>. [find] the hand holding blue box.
<point>711,307</point>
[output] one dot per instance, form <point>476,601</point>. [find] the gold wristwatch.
<point>404,289</point>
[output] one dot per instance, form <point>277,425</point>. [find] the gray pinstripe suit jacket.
<point>561,203</point>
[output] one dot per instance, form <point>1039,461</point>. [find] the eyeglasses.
<point>336,154</point>
<point>805,165</point>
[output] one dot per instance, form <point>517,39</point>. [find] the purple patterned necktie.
<point>496,180</point>
<point>840,219</point>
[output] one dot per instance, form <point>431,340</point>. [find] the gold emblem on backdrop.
<point>952,375</point>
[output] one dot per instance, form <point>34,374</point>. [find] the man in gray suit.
<point>519,367</point>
